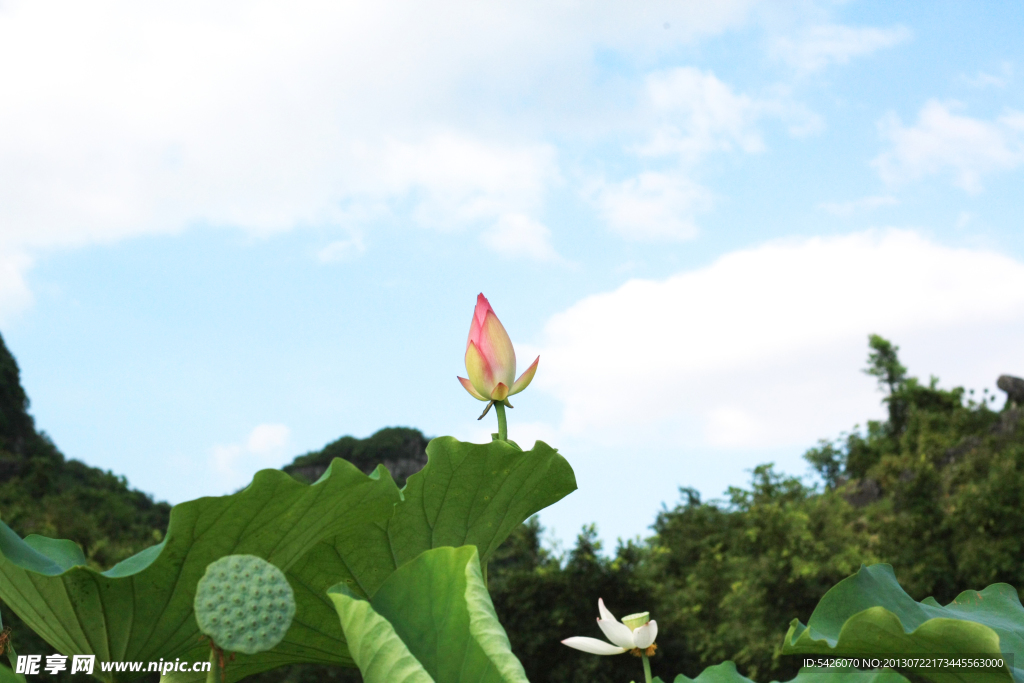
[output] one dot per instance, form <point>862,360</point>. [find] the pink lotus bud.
<point>490,358</point>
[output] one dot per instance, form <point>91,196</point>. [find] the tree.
<point>884,364</point>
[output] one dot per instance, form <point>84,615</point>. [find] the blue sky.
<point>228,237</point>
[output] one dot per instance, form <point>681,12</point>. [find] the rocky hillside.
<point>42,492</point>
<point>400,449</point>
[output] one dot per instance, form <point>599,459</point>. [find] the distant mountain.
<point>42,492</point>
<point>403,451</point>
<point>17,430</point>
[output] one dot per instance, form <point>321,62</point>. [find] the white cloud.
<point>846,209</point>
<point>700,114</point>
<point>15,295</point>
<point>516,235</point>
<point>690,114</point>
<point>986,80</point>
<point>123,119</point>
<point>693,114</point>
<point>733,426</point>
<point>762,347</point>
<point>265,439</point>
<point>454,180</point>
<point>819,46</point>
<point>943,141</point>
<point>654,206</point>
<point>263,448</point>
<point>342,250</point>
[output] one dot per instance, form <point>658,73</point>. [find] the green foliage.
<point>541,601</point>
<point>431,620</point>
<point>347,527</point>
<point>730,576</point>
<point>945,501</point>
<point>727,673</point>
<point>884,364</point>
<point>870,614</point>
<point>941,498</point>
<point>8,676</point>
<point>16,426</point>
<point>829,461</point>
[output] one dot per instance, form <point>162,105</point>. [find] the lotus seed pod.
<point>233,608</point>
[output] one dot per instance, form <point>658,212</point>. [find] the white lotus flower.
<point>635,633</point>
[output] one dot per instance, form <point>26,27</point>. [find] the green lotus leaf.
<point>8,676</point>
<point>432,621</point>
<point>870,614</point>
<point>347,527</point>
<point>726,673</point>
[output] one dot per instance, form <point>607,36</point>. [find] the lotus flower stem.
<point>215,674</point>
<point>502,424</point>
<point>647,668</point>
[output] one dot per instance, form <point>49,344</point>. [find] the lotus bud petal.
<point>490,358</point>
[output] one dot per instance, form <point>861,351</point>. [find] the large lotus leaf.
<point>432,621</point>
<point>726,673</point>
<point>343,527</point>
<point>870,614</point>
<point>474,495</point>
<point>141,609</point>
<point>467,494</point>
